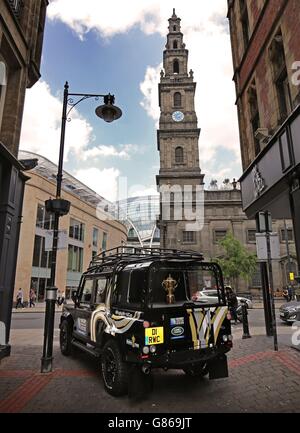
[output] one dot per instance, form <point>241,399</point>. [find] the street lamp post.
<point>59,207</point>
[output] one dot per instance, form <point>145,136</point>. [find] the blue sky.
<point>101,50</point>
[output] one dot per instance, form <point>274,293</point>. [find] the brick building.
<point>265,45</point>
<point>21,39</point>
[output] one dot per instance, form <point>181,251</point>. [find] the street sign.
<point>62,240</point>
<point>262,249</point>
<point>275,246</point>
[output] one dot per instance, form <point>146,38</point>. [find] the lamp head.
<point>109,112</point>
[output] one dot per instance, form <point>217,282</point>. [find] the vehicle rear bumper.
<point>180,359</point>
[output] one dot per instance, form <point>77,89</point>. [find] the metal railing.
<point>16,6</point>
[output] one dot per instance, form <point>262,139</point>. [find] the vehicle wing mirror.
<point>74,297</point>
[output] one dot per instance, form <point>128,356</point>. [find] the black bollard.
<point>246,333</point>
<point>46,365</point>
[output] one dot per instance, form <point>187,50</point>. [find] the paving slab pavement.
<point>260,380</point>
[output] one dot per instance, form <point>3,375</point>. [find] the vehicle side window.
<point>137,281</point>
<point>100,290</point>
<point>86,292</point>
<point>120,296</point>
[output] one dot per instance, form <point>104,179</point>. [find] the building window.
<point>76,230</point>
<point>75,258</point>
<point>94,253</point>
<point>174,28</point>
<point>245,22</point>
<point>175,45</point>
<point>16,6</point>
<point>280,75</point>
<point>219,235</point>
<point>44,219</point>
<point>179,155</point>
<point>189,237</point>
<point>39,286</point>
<point>254,115</point>
<point>41,258</point>
<point>3,87</point>
<point>104,241</point>
<point>177,99</point>
<point>176,67</point>
<point>256,278</point>
<point>290,235</point>
<point>251,236</point>
<point>95,237</point>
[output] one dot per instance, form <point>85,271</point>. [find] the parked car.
<point>290,312</point>
<point>135,311</point>
<point>213,293</point>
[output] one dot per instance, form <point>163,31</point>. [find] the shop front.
<point>272,181</point>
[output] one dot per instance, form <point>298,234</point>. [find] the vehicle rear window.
<point>181,284</point>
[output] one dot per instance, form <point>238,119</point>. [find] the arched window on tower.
<point>176,67</point>
<point>179,155</point>
<point>174,28</point>
<point>177,99</point>
<point>175,45</point>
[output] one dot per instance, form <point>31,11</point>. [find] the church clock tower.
<point>177,137</point>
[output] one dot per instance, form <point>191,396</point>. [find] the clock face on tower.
<point>177,116</point>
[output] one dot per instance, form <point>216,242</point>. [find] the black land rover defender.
<point>138,308</point>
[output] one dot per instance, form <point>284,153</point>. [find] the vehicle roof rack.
<point>128,254</point>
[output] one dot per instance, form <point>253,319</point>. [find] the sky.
<point>117,47</point>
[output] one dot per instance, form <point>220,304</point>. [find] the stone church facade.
<point>177,140</point>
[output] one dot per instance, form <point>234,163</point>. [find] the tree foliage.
<point>237,261</point>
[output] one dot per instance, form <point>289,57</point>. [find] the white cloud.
<point>42,125</point>
<point>104,182</point>
<point>149,89</point>
<point>110,151</point>
<point>150,15</point>
<point>141,190</point>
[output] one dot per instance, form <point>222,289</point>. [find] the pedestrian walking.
<point>285,294</point>
<point>32,298</point>
<point>232,303</point>
<point>20,298</point>
<point>60,298</point>
<point>290,292</point>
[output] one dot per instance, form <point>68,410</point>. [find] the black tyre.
<point>65,338</point>
<point>199,370</point>
<point>114,370</point>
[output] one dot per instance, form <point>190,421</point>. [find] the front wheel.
<point>197,370</point>
<point>65,338</point>
<point>114,370</point>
